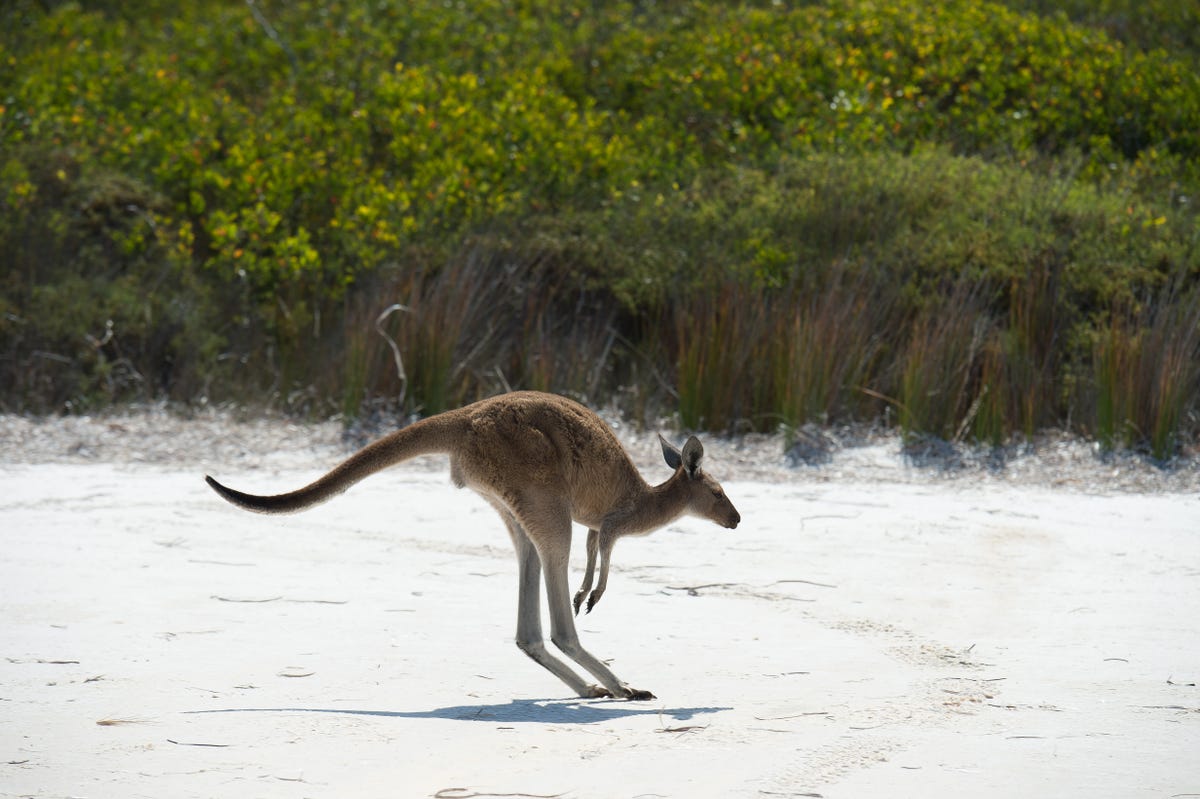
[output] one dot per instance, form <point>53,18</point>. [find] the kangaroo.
<point>615,525</point>
<point>542,461</point>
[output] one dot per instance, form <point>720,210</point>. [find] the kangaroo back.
<point>436,434</point>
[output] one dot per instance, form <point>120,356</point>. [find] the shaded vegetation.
<point>978,219</point>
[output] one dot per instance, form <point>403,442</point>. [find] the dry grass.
<point>1146,373</point>
<point>489,320</point>
<point>965,361</point>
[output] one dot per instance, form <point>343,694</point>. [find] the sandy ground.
<point>870,630</point>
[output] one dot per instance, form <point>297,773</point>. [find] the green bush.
<point>220,198</point>
<point>99,303</point>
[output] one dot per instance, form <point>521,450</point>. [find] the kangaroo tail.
<point>435,434</point>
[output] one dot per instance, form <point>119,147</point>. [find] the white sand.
<point>853,638</point>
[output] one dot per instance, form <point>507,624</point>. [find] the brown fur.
<point>542,461</point>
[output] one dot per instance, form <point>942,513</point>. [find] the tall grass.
<point>963,362</point>
<point>1171,360</point>
<point>566,337</point>
<point>828,343</point>
<point>721,341</point>
<point>937,390</point>
<point>489,320</point>
<point>1146,371</point>
<point>1115,358</point>
<point>763,358</point>
<point>1019,362</point>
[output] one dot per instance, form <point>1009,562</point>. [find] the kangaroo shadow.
<point>517,711</point>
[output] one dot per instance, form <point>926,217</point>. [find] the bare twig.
<point>503,380</point>
<point>890,400</point>
<point>806,582</point>
<point>970,417</point>
<point>694,590</point>
<point>50,356</point>
<point>688,728</point>
<point>400,373</point>
<point>793,716</point>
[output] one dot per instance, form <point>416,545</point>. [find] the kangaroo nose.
<point>734,520</point>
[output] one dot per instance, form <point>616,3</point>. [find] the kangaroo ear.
<point>670,454</point>
<point>693,453</point>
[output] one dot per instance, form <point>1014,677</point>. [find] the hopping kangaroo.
<point>541,461</point>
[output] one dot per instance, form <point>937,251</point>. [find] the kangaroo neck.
<point>652,508</point>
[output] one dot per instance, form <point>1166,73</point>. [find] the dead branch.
<point>793,716</point>
<point>806,582</point>
<point>688,728</point>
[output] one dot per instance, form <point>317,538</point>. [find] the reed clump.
<point>1146,374</point>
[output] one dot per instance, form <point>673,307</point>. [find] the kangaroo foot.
<point>640,696</point>
<point>597,692</point>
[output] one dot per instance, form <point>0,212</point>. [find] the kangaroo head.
<point>705,497</point>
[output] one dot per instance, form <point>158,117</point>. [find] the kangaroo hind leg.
<point>553,541</point>
<point>529,613</point>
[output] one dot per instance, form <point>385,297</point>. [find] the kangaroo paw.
<point>593,599</point>
<point>579,601</point>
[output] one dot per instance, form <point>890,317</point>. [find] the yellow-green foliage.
<point>226,186</point>
<point>362,127</point>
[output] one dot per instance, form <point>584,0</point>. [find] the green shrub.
<point>99,304</point>
<point>760,212</point>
